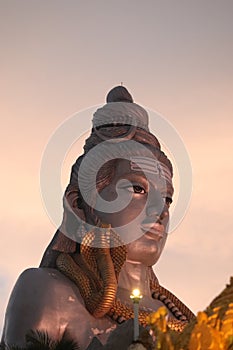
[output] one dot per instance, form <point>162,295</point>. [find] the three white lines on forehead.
<point>151,166</point>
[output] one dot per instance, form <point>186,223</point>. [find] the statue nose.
<point>156,206</point>
<point>159,212</point>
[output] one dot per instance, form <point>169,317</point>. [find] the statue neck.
<point>135,275</point>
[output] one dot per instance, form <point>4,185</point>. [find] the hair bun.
<point>119,94</point>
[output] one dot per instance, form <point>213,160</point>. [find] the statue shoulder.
<point>43,299</point>
<point>36,287</point>
<point>34,303</point>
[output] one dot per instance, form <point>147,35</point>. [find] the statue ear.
<point>72,202</point>
<point>73,216</point>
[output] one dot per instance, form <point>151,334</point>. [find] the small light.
<point>136,294</point>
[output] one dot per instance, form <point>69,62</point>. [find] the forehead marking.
<point>150,166</point>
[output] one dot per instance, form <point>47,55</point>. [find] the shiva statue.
<point>114,229</point>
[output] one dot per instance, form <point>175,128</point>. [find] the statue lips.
<point>153,230</point>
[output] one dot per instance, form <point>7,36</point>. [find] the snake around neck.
<point>95,271</point>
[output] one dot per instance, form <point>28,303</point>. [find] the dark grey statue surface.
<point>114,230</point>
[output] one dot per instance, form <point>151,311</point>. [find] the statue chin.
<point>145,250</point>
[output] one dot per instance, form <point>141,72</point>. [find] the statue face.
<point>147,212</point>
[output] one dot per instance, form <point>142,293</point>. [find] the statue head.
<point>123,179</point>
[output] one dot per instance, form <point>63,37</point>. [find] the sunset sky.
<point>59,57</point>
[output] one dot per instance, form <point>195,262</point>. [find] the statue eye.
<point>138,189</point>
<point>135,187</point>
